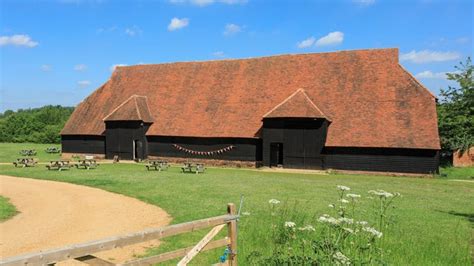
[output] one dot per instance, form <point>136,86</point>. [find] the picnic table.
<point>53,150</point>
<point>157,164</point>
<point>25,162</point>
<point>27,152</point>
<point>87,164</point>
<point>58,165</point>
<point>193,168</point>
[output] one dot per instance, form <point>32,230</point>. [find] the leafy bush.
<point>341,237</point>
<point>38,125</point>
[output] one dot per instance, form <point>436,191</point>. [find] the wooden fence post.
<point>232,234</point>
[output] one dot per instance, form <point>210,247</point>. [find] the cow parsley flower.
<point>328,219</point>
<point>274,201</point>
<point>341,258</point>
<point>373,231</point>
<point>348,230</point>
<point>331,205</point>
<point>290,224</point>
<point>353,196</point>
<point>307,228</point>
<point>345,220</point>
<point>246,213</point>
<point>363,223</point>
<point>343,188</point>
<point>381,193</point>
<point>344,201</point>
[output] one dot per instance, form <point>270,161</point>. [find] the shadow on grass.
<point>468,216</point>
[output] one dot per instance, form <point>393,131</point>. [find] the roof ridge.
<point>283,102</point>
<point>138,109</point>
<point>267,56</point>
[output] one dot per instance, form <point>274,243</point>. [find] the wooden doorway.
<point>276,154</point>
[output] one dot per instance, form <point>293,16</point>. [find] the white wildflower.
<point>363,223</point>
<point>344,201</point>
<point>246,213</point>
<point>345,220</point>
<point>348,230</point>
<point>381,193</point>
<point>290,224</point>
<point>353,196</point>
<point>331,205</point>
<point>274,201</point>
<point>343,188</point>
<point>342,258</point>
<point>373,231</point>
<point>328,219</point>
<point>307,228</point>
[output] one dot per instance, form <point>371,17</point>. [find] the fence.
<point>83,252</point>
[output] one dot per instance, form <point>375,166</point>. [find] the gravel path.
<point>54,214</point>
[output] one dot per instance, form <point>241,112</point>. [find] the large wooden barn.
<point>351,110</point>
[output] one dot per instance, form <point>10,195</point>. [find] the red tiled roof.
<point>297,105</point>
<point>371,100</point>
<point>134,108</point>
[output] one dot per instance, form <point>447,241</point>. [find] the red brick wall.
<point>464,159</point>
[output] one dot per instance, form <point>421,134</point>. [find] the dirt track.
<point>54,214</point>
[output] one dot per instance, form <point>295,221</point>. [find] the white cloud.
<point>219,54</point>
<point>46,68</point>
<point>113,67</point>
<point>132,31</point>
<point>433,75</point>
<point>364,2</point>
<point>177,23</point>
<point>427,56</point>
<point>83,83</point>
<point>18,40</point>
<point>231,29</point>
<point>203,3</point>
<point>332,38</point>
<point>306,43</point>
<point>80,67</point>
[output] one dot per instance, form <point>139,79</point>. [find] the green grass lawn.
<point>434,217</point>
<point>7,210</point>
<point>457,173</point>
<point>11,151</point>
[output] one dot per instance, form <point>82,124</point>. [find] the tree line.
<point>456,110</point>
<point>37,125</point>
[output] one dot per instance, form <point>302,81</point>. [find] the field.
<point>434,218</point>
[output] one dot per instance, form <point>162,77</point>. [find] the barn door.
<point>276,154</point>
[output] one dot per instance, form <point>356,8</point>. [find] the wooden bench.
<point>58,165</point>
<point>157,165</point>
<point>190,168</point>
<point>27,152</point>
<point>53,150</point>
<point>87,164</point>
<point>25,162</point>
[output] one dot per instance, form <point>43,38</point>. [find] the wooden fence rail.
<point>83,252</point>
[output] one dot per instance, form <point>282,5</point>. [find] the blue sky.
<point>58,52</point>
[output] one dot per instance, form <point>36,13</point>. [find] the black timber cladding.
<point>126,139</point>
<point>302,140</point>
<point>245,149</point>
<point>83,144</point>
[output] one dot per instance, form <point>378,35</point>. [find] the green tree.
<point>456,110</point>
<point>39,125</point>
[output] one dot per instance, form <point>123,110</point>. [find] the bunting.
<point>207,153</point>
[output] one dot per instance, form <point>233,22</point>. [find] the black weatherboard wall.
<point>300,142</point>
<point>382,159</point>
<point>244,149</point>
<point>83,144</point>
<point>126,139</point>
